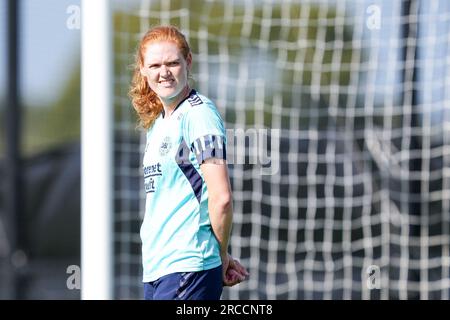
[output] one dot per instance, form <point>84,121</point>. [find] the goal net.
<point>349,101</point>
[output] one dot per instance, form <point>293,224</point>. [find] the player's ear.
<point>189,61</point>
<point>144,76</point>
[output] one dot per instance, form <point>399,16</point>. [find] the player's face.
<point>166,70</point>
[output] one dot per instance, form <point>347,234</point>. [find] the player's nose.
<point>165,72</point>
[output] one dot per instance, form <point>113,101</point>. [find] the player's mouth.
<point>166,83</point>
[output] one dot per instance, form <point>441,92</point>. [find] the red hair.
<point>144,100</point>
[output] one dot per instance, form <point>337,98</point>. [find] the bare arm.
<point>221,216</point>
<point>219,200</point>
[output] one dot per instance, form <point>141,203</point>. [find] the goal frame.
<point>96,151</point>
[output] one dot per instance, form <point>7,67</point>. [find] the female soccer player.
<point>188,212</point>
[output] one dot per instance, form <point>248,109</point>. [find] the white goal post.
<point>96,151</point>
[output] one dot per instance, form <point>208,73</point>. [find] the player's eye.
<point>173,64</point>
<point>153,66</point>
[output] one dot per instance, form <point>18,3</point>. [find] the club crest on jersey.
<point>165,146</point>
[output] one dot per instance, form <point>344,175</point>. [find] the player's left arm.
<point>220,208</point>
<point>215,172</point>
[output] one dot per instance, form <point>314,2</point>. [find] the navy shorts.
<point>200,285</point>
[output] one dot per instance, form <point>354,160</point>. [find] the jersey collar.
<point>192,92</point>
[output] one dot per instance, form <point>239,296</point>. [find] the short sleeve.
<point>204,132</point>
